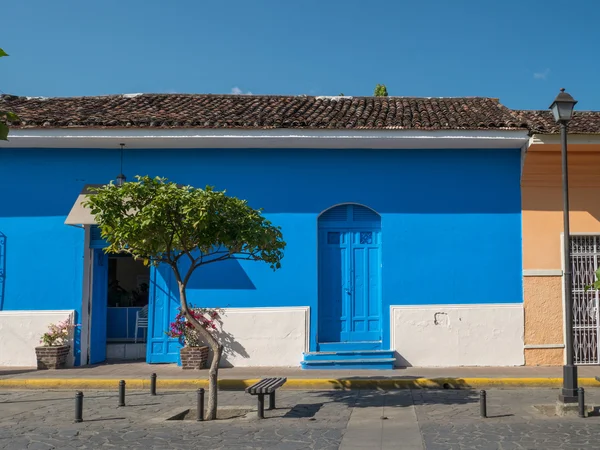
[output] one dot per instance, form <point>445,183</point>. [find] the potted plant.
<point>53,352</point>
<point>193,353</point>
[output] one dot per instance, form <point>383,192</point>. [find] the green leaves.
<point>6,115</point>
<point>160,222</point>
<point>3,132</point>
<point>596,284</point>
<point>10,116</point>
<point>380,91</point>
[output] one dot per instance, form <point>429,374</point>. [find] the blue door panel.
<point>365,272</point>
<point>99,308</point>
<point>332,265</point>
<point>162,309</point>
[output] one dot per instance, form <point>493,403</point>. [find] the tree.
<point>159,222</point>
<point>380,91</point>
<point>5,116</point>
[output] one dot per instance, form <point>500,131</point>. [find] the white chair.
<point>141,321</point>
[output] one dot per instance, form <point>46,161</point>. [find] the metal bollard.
<point>153,384</point>
<point>122,393</point>
<point>78,407</point>
<point>483,404</point>
<point>581,399</point>
<point>200,405</point>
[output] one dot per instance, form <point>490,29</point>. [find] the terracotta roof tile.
<point>262,112</point>
<point>542,122</point>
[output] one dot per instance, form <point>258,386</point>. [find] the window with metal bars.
<point>585,256</point>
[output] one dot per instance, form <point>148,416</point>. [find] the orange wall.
<point>542,201</point>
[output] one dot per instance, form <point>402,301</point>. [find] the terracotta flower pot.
<point>193,357</point>
<point>52,357</point>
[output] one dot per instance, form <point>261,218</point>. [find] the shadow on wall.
<point>400,361</point>
<point>228,274</point>
<point>550,199</point>
<point>3,240</point>
<point>231,346</point>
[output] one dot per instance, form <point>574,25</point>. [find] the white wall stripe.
<point>540,346</point>
<point>542,273</point>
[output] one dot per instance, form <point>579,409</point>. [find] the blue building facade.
<point>368,232</point>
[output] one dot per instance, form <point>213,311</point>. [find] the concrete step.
<point>344,364</point>
<point>348,346</point>
<point>349,355</point>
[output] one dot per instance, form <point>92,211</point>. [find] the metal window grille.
<point>585,256</point>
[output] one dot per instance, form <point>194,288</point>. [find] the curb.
<point>296,383</point>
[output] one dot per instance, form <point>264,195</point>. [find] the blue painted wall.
<point>451,220</point>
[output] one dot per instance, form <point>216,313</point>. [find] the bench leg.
<point>272,400</point>
<point>261,406</point>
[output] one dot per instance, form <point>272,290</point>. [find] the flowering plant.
<point>58,333</point>
<point>182,329</point>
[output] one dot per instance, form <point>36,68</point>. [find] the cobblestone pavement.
<point>450,420</point>
<point>349,420</point>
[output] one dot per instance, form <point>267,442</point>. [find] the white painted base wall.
<point>458,335</point>
<point>263,337</point>
<point>20,333</point>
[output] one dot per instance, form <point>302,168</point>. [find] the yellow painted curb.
<point>295,383</point>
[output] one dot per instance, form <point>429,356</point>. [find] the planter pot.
<point>52,357</point>
<point>193,357</point>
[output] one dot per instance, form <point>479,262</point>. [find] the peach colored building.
<point>542,237</point>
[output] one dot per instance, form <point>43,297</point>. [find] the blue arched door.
<point>349,275</point>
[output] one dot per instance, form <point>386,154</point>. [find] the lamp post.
<point>562,109</point>
<point>121,179</point>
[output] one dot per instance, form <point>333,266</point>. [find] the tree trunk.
<point>213,377</point>
<point>213,374</point>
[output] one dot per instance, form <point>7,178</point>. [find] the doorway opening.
<point>127,296</point>
<point>349,278</point>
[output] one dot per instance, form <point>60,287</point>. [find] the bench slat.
<point>271,385</point>
<point>266,386</point>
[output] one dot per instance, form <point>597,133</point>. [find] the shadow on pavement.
<point>347,391</point>
<point>303,411</point>
<point>9,372</point>
<point>402,382</point>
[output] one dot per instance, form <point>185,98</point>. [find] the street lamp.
<point>121,179</point>
<point>562,109</point>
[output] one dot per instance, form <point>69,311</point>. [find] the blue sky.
<point>521,51</point>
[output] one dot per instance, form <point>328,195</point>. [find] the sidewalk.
<point>170,376</point>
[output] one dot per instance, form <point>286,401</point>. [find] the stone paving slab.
<point>400,419</point>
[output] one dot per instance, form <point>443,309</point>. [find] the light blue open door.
<point>349,275</point>
<point>97,353</point>
<point>162,309</point>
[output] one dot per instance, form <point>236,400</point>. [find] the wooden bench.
<point>263,387</point>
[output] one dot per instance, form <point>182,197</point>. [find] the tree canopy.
<point>380,91</point>
<point>160,222</point>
